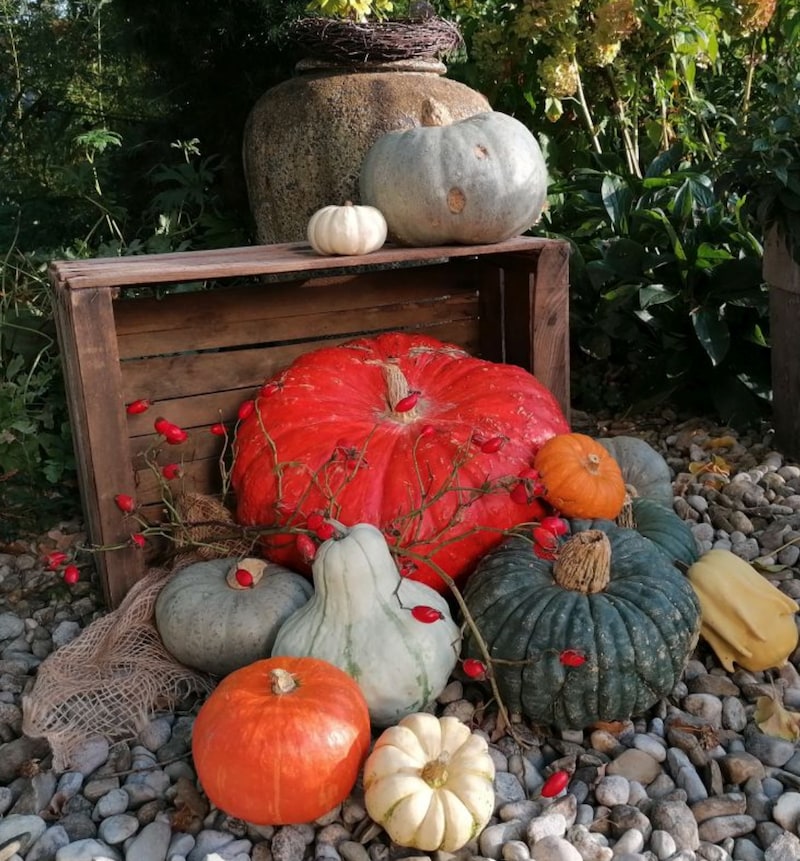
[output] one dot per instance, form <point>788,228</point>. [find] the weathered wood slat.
<point>256,260</point>
<point>782,273</point>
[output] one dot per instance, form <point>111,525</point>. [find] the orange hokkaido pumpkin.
<point>281,741</point>
<point>580,477</point>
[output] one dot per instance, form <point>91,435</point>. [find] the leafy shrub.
<point>668,302</point>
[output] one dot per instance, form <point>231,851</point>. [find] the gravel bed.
<point>694,778</point>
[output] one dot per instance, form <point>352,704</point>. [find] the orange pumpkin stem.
<point>593,463</point>
<point>397,390</point>
<point>282,682</point>
<point>584,562</point>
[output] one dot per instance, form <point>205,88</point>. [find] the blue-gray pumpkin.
<point>480,180</point>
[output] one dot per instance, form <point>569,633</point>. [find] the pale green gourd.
<point>360,619</point>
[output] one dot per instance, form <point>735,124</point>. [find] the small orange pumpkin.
<point>281,741</point>
<point>580,477</point>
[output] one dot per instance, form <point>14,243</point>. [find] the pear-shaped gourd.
<point>745,619</point>
<point>393,635</point>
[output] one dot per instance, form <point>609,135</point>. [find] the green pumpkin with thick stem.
<point>599,634</point>
<point>659,524</point>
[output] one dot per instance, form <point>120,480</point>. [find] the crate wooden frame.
<point>198,355</point>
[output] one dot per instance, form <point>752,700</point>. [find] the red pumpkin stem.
<point>584,562</point>
<point>397,389</point>
<point>282,682</point>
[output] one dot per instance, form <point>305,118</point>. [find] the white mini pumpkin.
<point>394,636</point>
<point>430,783</point>
<point>347,230</point>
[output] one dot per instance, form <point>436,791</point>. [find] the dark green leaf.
<point>712,333</point>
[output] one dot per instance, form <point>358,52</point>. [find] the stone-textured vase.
<point>305,139</point>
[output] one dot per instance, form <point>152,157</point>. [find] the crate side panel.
<point>255,314</point>
<point>88,348</point>
<point>536,317</point>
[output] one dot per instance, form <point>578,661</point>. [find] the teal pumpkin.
<point>642,467</point>
<point>659,524</point>
<point>599,634</point>
<point>665,529</point>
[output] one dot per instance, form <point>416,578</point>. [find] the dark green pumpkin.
<point>661,525</point>
<point>636,634</point>
<point>642,467</point>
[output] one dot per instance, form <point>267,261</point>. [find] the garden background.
<point>671,131</point>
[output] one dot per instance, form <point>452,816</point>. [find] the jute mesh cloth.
<point>207,527</point>
<point>116,674</point>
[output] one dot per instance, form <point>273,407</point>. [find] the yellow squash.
<point>745,619</point>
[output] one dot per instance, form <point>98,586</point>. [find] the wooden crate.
<point>782,273</point>
<point>198,355</point>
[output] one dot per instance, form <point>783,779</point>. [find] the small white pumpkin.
<point>364,618</point>
<point>213,621</point>
<point>430,783</point>
<point>348,229</point>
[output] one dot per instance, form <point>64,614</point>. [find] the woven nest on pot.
<point>352,43</point>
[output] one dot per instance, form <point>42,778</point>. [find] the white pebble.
<point>554,849</point>
<point>786,811</point>
<point>630,841</point>
<point>612,790</point>
<point>663,844</point>
<point>516,850</point>
<point>548,825</point>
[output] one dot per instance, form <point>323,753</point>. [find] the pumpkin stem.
<point>434,772</point>
<point>434,113</point>
<point>282,682</point>
<point>397,390</point>
<point>625,517</point>
<point>584,562</point>
<point>254,567</point>
<point>593,463</point>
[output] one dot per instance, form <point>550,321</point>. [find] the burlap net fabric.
<point>116,674</point>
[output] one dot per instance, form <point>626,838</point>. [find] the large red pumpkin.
<point>281,741</point>
<point>402,431</point>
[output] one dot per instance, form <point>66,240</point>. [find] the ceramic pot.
<point>305,139</point>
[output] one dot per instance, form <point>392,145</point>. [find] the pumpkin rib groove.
<point>632,618</point>
<point>548,641</point>
<point>531,612</point>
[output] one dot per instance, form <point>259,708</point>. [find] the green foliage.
<point>670,129</point>
<point>115,138</point>
<point>666,279</point>
<point>37,482</point>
